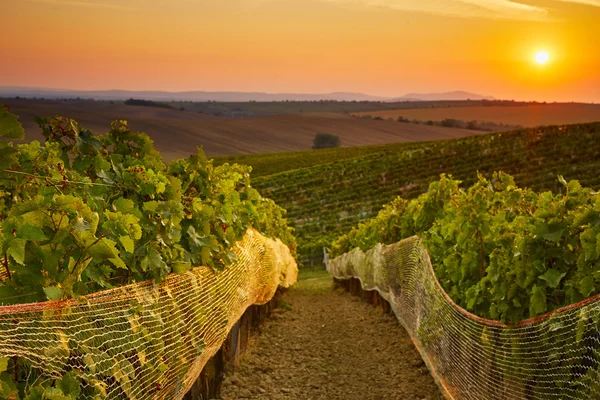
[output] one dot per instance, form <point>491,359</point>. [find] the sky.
<point>378,47</point>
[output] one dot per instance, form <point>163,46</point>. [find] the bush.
<point>325,141</point>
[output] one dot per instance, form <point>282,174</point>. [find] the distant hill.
<point>457,95</point>
<point>200,96</point>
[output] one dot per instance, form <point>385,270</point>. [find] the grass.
<point>313,280</point>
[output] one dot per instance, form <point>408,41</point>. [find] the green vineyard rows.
<point>499,251</point>
<point>345,186</point>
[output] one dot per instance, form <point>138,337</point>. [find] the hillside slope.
<point>177,133</point>
<point>325,201</point>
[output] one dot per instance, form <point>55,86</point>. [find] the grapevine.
<point>499,251</point>
<point>85,212</point>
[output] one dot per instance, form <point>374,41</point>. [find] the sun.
<point>542,57</point>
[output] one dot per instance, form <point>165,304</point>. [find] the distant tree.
<point>146,103</point>
<point>472,125</point>
<point>450,123</point>
<point>326,140</point>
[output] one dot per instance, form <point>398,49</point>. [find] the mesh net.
<point>554,356</point>
<point>146,340</point>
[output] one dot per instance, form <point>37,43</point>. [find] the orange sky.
<point>379,47</point>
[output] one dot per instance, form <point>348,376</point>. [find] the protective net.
<point>554,356</point>
<point>146,340</point>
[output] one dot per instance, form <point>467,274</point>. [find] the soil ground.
<point>326,344</point>
<point>177,133</point>
<point>531,115</point>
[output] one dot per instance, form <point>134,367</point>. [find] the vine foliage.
<point>85,212</point>
<point>500,251</point>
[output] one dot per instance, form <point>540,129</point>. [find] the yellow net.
<point>554,356</point>
<point>146,340</point>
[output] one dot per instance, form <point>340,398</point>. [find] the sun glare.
<point>542,57</point>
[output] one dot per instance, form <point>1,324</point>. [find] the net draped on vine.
<point>554,356</point>
<point>145,340</point>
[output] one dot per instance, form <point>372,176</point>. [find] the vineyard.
<point>121,275</point>
<point>103,241</point>
<point>499,251</point>
<point>347,186</point>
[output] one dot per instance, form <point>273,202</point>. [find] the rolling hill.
<point>329,198</point>
<point>177,133</point>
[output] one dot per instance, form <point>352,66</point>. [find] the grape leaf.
<point>16,250</point>
<point>103,250</point>
<point>53,292</point>
<point>30,232</point>
<point>538,301</point>
<point>10,127</point>
<point>70,385</point>
<point>552,277</point>
<point>586,286</point>
<point>127,243</point>
<point>3,364</point>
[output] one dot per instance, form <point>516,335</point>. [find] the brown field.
<point>177,133</point>
<point>530,115</point>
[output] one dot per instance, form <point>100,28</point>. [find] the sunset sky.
<point>378,47</point>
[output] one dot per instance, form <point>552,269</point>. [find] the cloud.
<point>497,9</point>
<point>595,3</point>
<point>84,3</point>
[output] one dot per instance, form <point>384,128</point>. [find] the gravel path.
<point>326,344</point>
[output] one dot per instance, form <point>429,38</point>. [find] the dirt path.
<point>325,344</point>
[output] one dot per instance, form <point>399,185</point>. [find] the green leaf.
<point>16,250</point>
<point>118,262</point>
<point>552,277</point>
<point>70,385</point>
<point>8,389</point>
<point>181,267</point>
<point>586,286</point>
<point>53,292</point>
<point>154,264</point>
<point>151,206</point>
<point>162,367</point>
<point>537,304</point>
<point>55,394</point>
<point>3,364</point>
<point>555,231</point>
<point>35,393</point>
<point>105,176</point>
<point>10,127</point>
<point>123,205</point>
<point>103,250</point>
<point>8,155</point>
<point>30,232</point>
<point>127,243</point>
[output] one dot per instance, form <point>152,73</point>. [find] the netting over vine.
<point>554,356</point>
<point>146,340</point>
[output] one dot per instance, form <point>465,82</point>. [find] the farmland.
<point>526,115</point>
<point>176,133</point>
